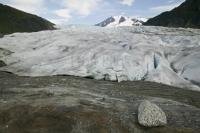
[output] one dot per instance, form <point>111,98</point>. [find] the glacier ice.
<point>165,55</point>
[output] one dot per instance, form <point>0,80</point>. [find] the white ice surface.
<point>166,55</point>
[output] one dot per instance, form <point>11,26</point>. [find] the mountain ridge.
<point>14,20</point>
<point>187,15</point>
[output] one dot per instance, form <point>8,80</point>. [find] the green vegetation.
<point>13,20</point>
<point>186,15</point>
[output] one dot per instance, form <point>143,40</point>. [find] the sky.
<point>90,12</point>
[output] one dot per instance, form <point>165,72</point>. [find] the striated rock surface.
<point>68,104</point>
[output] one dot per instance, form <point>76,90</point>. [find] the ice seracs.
<point>164,55</point>
<point>118,21</point>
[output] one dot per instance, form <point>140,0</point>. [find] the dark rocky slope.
<point>13,20</point>
<point>186,15</point>
<point>68,104</point>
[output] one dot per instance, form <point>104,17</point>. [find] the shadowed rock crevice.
<point>2,64</point>
<point>155,61</point>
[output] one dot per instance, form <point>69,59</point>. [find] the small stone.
<point>150,115</point>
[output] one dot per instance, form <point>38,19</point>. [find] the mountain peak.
<point>118,21</point>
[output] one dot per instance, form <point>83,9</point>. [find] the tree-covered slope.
<point>186,15</point>
<point>13,20</point>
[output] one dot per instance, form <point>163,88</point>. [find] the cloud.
<point>81,7</point>
<point>164,7</point>
<point>63,16</point>
<point>64,13</point>
<point>171,1</point>
<point>31,6</point>
<point>127,2</point>
<point>59,21</point>
<point>71,7</point>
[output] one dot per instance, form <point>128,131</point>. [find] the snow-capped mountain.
<point>117,21</point>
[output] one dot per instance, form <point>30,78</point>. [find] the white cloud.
<point>81,7</point>
<point>171,1</point>
<point>164,7</point>
<point>59,21</point>
<point>78,7</point>
<point>64,13</point>
<point>61,11</point>
<point>31,6</point>
<point>63,16</point>
<point>127,2</point>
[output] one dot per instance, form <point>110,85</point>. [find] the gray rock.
<point>150,115</point>
<point>1,35</point>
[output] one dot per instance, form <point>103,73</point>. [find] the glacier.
<point>165,55</point>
